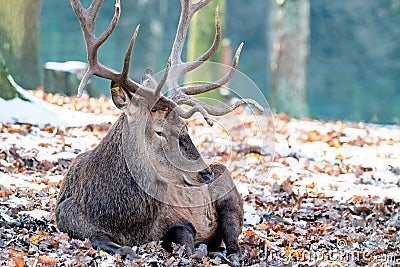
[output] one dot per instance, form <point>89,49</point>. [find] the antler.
<point>182,94</point>
<point>176,68</point>
<point>87,19</point>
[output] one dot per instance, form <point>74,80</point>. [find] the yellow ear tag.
<point>115,89</point>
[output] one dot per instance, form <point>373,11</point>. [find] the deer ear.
<point>120,96</point>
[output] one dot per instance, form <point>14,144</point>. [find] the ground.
<point>319,194</point>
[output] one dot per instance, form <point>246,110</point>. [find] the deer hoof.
<point>201,250</point>
<point>127,252</point>
<point>214,255</point>
<point>234,259</point>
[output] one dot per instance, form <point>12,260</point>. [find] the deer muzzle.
<point>206,176</point>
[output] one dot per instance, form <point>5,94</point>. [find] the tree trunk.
<point>7,90</point>
<point>289,57</point>
<point>19,30</point>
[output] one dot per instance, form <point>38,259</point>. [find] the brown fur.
<point>105,194</point>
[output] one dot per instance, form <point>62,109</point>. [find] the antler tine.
<point>189,66</point>
<point>175,67</point>
<point>179,98</point>
<point>87,18</point>
<point>103,37</point>
<point>94,8</point>
<point>128,54</point>
<point>214,111</point>
<point>178,67</point>
<point>187,12</point>
<point>181,32</point>
<point>198,89</point>
<point>186,114</point>
<point>199,5</point>
<point>164,78</point>
<point>180,95</point>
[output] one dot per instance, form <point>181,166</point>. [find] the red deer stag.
<point>146,180</point>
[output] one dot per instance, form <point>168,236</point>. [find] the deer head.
<point>155,121</point>
<point>159,134</point>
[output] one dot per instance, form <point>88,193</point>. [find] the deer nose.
<point>207,176</point>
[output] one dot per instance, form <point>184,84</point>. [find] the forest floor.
<point>321,194</point>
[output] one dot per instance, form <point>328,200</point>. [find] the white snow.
<point>354,133</point>
<point>38,112</point>
<point>36,213</point>
<point>69,66</point>
<point>7,218</point>
<point>18,180</point>
<point>250,215</point>
<point>17,201</point>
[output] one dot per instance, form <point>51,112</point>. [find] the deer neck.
<point>136,157</point>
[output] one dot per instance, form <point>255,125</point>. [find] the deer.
<point>146,181</point>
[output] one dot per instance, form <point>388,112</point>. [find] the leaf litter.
<point>327,195</point>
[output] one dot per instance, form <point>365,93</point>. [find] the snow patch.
<point>38,112</point>
<point>35,214</point>
<point>18,180</point>
<point>17,201</point>
<point>250,216</point>
<point>69,66</point>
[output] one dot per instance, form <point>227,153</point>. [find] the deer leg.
<point>71,221</point>
<point>182,234</point>
<point>230,221</point>
<point>215,244</point>
<point>113,248</point>
<point>230,213</point>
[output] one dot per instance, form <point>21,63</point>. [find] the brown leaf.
<point>47,260</point>
<point>45,145</point>
<point>47,165</point>
<point>362,210</point>
<point>254,253</point>
<point>18,261</point>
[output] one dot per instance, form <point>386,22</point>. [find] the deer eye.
<point>161,134</point>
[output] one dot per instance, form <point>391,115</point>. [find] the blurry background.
<point>319,59</point>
